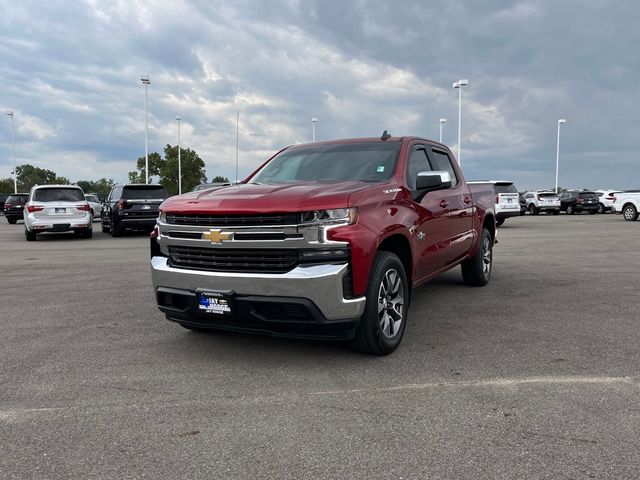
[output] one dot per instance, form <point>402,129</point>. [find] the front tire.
<point>385,315</point>
<point>476,271</point>
<point>533,210</point>
<point>499,222</point>
<point>630,213</point>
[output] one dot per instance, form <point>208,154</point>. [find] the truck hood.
<point>258,198</point>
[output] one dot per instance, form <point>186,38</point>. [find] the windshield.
<point>365,161</point>
<point>144,192</point>
<point>58,194</point>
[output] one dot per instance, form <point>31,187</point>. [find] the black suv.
<point>14,205</point>
<point>133,206</point>
<point>579,201</point>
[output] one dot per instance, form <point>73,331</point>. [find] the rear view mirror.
<point>429,181</point>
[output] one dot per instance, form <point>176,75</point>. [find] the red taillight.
<point>538,197</point>
<point>497,198</point>
<point>84,207</point>
<point>34,208</point>
<point>121,205</point>
<point>612,198</point>
<point>8,205</point>
<point>578,200</point>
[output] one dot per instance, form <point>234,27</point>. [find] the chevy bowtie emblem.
<point>217,236</point>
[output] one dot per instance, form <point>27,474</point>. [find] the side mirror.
<point>430,181</point>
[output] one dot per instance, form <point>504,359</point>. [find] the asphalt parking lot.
<point>534,376</point>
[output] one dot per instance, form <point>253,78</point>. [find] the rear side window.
<point>17,199</point>
<point>59,194</point>
<point>504,188</point>
<point>91,198</point>
<point>144,193</point>
<point>441,161</point>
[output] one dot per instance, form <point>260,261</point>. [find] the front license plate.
<point>61,210</point>
<point>217,303</point>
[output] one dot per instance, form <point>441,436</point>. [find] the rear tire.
<point>630,213</point>
<point>31,236</point>
<point>570,210</point>
<point>556,212</point>
<point>87,233</point>
<point>601,208</point>
<point>476,271</point>
<point>499,222</point>
<point>592,212</point>
<point>384,320</point>
<point>116,231</point>
<point>12,220</point>
<point>533,210</point>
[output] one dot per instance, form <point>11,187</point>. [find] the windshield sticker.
<point>392,190</point>
<point>380,168</point>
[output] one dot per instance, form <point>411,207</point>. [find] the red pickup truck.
<point>324,240</point>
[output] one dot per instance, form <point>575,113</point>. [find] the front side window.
<point>363,161</point>
<point>417,162</point>
<point>58,194</point>
<point>441,161</point>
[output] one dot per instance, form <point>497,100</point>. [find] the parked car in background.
<point>13,206</point>
<point>209,186</point>
<point>628,204</point>
<point>132,207</point>
<point>542,201</point>
<point>523,204</point>
<point>606,199</point>
<point>506,197</point>
<point>3,198</point>
<point>57,208</point>
<point>95,204</point>
<point>578,201</point>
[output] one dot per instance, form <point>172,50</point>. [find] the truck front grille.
<point>232,260</point>
<point>269,220</point>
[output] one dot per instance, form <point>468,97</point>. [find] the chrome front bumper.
<point>321,284</point>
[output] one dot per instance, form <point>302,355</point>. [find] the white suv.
<point>606,199</point>
<point>542,201</point>
<point>57,208</point>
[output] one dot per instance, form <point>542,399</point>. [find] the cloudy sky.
<point>71,73</point>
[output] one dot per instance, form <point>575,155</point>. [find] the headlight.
<point>162,217</point>
<point>345,216</point>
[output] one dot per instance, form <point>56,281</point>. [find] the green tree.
<point>103,185</point>
<point>155,164</point>
<point>192,166</point>
<point>219,179</point>
<point>6,185</point>
<point>28,176</point>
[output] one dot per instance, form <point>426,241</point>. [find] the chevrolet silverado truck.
<point>324,240</point>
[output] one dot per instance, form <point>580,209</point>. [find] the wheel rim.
<point>629,213</point>
<point>391,303</point>
<point>486,257</point>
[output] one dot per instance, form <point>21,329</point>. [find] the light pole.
<point>146,81</point>
<point>562,120</point>
<point>178,118</point>
<point>237,141</point>
<point>459,84</point>
<point>442,122</point>
<point>13,152</point>
<point>314,120</point>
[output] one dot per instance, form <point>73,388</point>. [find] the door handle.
<point>444,204</point>
<point>467,200</point>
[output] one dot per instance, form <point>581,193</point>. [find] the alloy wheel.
<point>391,303</point>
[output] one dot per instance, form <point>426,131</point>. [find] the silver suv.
<point>57,208</point>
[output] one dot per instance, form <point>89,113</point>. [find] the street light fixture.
<point>146,82</point>
<point>562,120</point>
<point>442,122</point>
<point>178,118</point>
<point>459,84</point>
<point>314,120</point>
<point>13,152</point>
